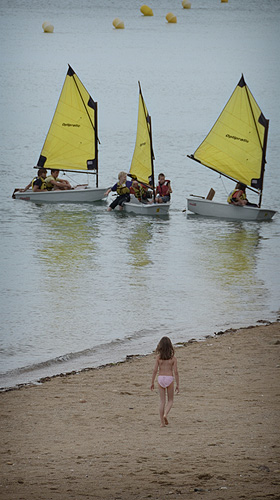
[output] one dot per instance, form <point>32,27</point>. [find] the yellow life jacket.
<point>48,183</point>
<point>43,186</point>
<point>230,196</point>
<point>137,191</point>
<point>122,189</point>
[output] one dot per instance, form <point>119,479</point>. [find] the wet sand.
<point>97,435</point>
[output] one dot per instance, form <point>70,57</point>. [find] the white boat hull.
<point>210,208</point>
<point>80,194</point>
<point>134,206</point>
<point>138,208</point>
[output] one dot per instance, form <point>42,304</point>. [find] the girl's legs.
<point>161,404</point>
<point>170,398</point>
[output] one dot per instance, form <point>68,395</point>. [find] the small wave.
<point>115,350</point>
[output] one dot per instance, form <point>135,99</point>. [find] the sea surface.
<point>81,287</point>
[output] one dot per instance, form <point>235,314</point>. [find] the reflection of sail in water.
<point>70,242</point>
<point>232,256</point>
<point>138,240</point>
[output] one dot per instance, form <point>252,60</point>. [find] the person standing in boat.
<point>163,189</point>
<point>53,182</point>
<point>238,196</point>
<point>122,187</point>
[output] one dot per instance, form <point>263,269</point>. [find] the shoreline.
<point>46,378</point>
<point>96,434</point>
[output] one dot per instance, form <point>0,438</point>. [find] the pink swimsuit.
<point>165,380</point>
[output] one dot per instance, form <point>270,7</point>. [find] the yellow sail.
<point>236,144</point>
<point>71,143</point>
<point>142,160</point>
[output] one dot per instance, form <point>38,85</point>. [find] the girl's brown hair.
<point>165,349</point>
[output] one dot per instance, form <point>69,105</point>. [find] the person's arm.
<point>26,187</point>
<point>169,188</point>
<point>154,373</point>
<point>59,184</point>
<point>65,182</point>
<point>237,200</point>
<point>114,188</point>
<point>176,373</point>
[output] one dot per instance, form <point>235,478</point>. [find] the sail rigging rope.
<point>221,177</point>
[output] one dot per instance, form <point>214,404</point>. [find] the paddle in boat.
<point>235,148</point>
<point>142,166</point>
<point>71,145</point>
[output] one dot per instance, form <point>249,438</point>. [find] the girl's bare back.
<point>166,366</point>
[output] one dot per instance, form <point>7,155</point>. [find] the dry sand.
<point>97,435</point>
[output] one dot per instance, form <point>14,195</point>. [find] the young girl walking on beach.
<point>166,367</point>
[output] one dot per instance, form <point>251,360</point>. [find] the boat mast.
<point>96,140</point>
<point>263,161</point>
<point>265,124</point>
<point>149,124</point>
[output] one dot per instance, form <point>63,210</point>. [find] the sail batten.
<point>236,144</point>
<point>71,142</point>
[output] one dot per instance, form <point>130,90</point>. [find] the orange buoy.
<point>186,4</point>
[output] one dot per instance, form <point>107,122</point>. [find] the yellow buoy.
<point>47,27</point>
<point>118,24</point>
<point>224,1</point>
<point>147,11</point>
<point>171,18</point>
<point>186,4</point>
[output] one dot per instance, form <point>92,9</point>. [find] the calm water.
<point>82,287</point>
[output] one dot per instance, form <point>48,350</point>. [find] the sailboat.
<point>142,165</point>
<point>235,148</point>
<point>71,145</point>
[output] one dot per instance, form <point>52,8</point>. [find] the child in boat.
<point>238,196</point>
<point>166,367</point>
<point>37,183</point>
<point>140,191</point>
<point>122,187</point>
<point>163,189</point>
<point>53,182</point>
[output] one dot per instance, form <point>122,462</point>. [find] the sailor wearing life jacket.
<point>39,182</point>
<point>122,187</point>
<point>163,189</point>
<point>140,191</point>
<point>53,182</point>
<point>238,196</point>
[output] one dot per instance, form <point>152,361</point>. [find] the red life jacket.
<point>163,189</point>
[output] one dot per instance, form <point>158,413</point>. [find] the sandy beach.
<point>97,435</point>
